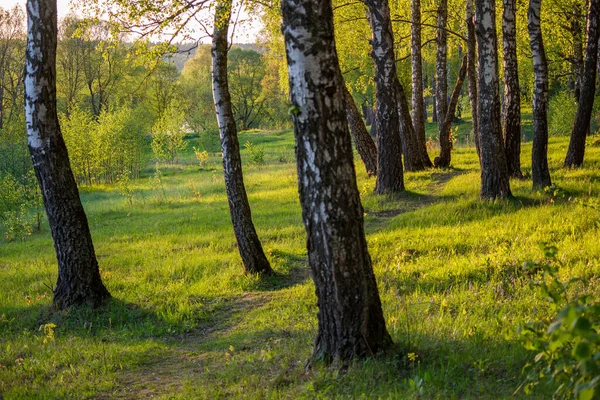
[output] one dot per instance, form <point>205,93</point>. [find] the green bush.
<point>102,150</point>
<point>168,134</point>
<point>21,209</point>
<point>257,154</point>
<point>567,346</point>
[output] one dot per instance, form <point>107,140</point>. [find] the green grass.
<point>185,322</point>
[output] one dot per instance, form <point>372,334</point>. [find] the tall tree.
<point>443,161</point>
<point>588,88</point>
<point>539,152</point>
<point>79,279</point>
<point>494,172</point>
<point>512,94</point>
<point>351,322</point>
<point>472,71</point>
<point>390,176</point>
<point>414,149</point>
<point>419,114</point>
<point>362,140</point>
<point>11,64</point>
<point>441,91</point>
<point>249,245</point>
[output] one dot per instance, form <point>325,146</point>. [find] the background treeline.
<point>123,104</point>
<point>563,24</point>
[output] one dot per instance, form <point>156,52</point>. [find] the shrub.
<point>20,206</point>
<point>568,345</point>
<point>168,133</point>
<point>257,154</point>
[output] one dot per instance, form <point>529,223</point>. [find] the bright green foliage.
<point>246,70</point>
<point>21,208</point>
<point>185,322</point>
<point>196,89</point>
<point>257,154</point>
<point>561,114</point>
<point>568,345</point>
<point>168,133</point>
<point>103,149</point>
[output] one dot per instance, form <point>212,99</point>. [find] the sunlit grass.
<point>185,322</point>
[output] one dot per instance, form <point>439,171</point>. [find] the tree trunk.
<point>425,102</point>
<point>494,172</point>
<point>472,73</point>
<point>418,105</point>
<point>249,245</point>
<point>539,152</point>
<point>434,113</point>
<point>364,144</point>
<point>414,149</point>
<point>350,317</point>
<point>443,161</point>
<point>586,99</point>
<point>512,94</point>
<point>390,176</point>
<point>79,279</point>
<point>577,63</point>
<point>441,93</point>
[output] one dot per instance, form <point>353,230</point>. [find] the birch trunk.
<point>512,94</point>
<point>390,175</point>
<point>441,93</point>
<point>419,115</point>
<point>350,318</point>
<point>576,150</point>
<point>494,172</point>
<point>472,73</point>
<point>414,150</point>
<point>79,279</point>
<point>249,245</point>
<point>362,140</point>
<point>539,153</point>
<point>443,161</point>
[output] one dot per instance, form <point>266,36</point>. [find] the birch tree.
<point>249,245</point>
<point>512,91</point>
<point>581,125</point>
<point>350,317</point>
<point>494,173</point>
<point>79,279</point>
<point>539,153</point>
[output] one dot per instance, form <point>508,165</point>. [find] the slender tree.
<point>441,93</point>
<point>443,161</point>
<point>390,175</point>
<point>512,94</point>
<point>351,322</point>
<point>79,279</point>
<point>494,172</point>
<point>414,150</point>
<point>472,71</point>
<point>249,245</point>
<point>419,114</point>
<point>588,88</point>
<point>539,153</point>
<point>364,143</point>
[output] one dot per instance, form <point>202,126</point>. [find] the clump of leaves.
<point>202,156</point>
<point>567,346</point>
<point>257,154</point>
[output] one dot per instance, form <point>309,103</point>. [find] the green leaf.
<point>554,326</point>
<point>581,324</point>
<point>582,351</point>
<point>587,394</point>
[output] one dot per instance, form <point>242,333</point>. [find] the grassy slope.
<point>185,322</point>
